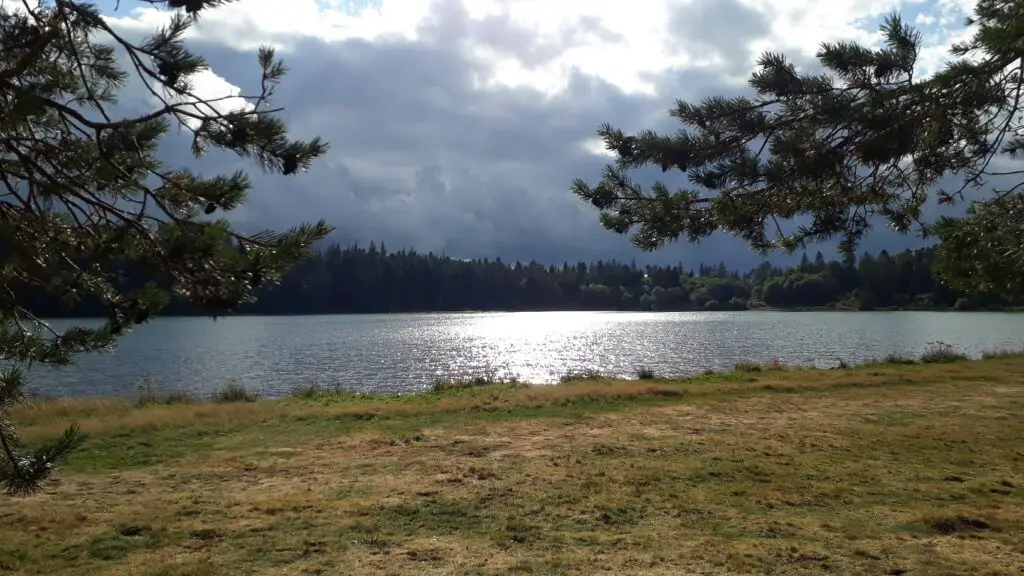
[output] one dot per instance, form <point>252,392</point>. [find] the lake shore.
<point>884,468</point>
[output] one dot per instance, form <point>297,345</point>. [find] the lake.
<point>405,352</point>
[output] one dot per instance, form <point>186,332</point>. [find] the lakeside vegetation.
<point>372,279</point>
<point>894,467</point>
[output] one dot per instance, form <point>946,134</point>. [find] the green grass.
<point>886,468</point>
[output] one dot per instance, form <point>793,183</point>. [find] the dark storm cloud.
<point>422,158</point>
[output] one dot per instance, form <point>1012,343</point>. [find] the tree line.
<point>371,279</point>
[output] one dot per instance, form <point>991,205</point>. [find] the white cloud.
<point>458,124</point>
<point>628,44</point>
<point>251,23</point>
<point>596,147</point>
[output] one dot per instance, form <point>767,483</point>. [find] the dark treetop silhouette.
<point>373,279</point>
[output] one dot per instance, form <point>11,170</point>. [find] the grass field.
<point>885,469</point>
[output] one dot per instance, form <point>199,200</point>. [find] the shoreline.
<point>938,353</point>
<point>844,310</point>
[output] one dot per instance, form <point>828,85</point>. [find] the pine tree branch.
<point>15,465</point>
<point>36,51</point>
<point>1013,108</point>
<point>82,195</point>
<point>83,76</point>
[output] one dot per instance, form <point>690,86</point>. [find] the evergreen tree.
<point>85,199</point>
<point>863,140</point>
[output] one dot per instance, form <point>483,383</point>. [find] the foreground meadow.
<point>885,469</point>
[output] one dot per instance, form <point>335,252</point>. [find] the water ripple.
<point>403,353</point>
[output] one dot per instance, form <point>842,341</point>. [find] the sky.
<point>457,126</point>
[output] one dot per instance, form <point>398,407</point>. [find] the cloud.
<point>719,33</point>
<point>458,125</point>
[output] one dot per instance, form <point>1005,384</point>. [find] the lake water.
<point>404,353</point>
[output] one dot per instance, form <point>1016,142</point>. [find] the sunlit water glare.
<point>406,352</point>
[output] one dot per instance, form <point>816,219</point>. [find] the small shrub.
<point>147,396</point>
<point>442,384</point>
<point>307,391</point>
<point>957,524</point>
<point>773,365</point>
<point>1001,353</point>
<point>941,353</point>
<point>235,393</point>
<point>645,373</point>
<point>748,367</point>
<point>179,397</point>
<point>316,391</point>
<point>577,376</point>
<point>205,534</point>
<point>894,359</point>
<point>124,541</point>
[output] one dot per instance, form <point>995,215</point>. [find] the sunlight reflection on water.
<point>404,353</point>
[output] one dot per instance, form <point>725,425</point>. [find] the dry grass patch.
<point>894,469</point>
